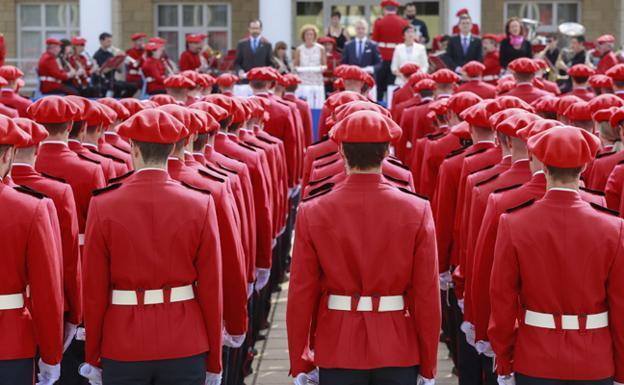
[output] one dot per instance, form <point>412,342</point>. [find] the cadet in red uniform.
<point>601,84</point>
<point>546,299</point>
<point>606,162</point>
<point>607,57</point>
<point>474,81</point>
<point>154,69</point>
<point>616,73</point>
<point>491,58</point>
<point>9,95</point>
<point>190,58</point>
<point>524,70</point>
<point>79,61</point>
<point>580,74</point>
<point>176,291</point>
<point>404,92</point>
<point>51,73</point>
<point>292,82</point>
<point>388,33</point>
<point>32,270</point>
<point>335,291</point>
<point>226,83</point>
<point>136,52</point>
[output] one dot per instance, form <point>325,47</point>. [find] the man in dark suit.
<point>464,47</point>
<point>361,51</point>
<point>253,51</point>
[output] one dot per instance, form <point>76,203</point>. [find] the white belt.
<point>387,303</point>
<point>134,72</point>
<point>81,239</point>
<point>148,79</point>
<point>387,45</point>
<point>152,297</point>
<point>13,301</point>
<point>49,79</point>
<point>488,78</point>
<point>568,322</point>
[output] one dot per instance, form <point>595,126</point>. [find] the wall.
<point>8,26</point>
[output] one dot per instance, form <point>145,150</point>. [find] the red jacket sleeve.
<point>615,296</point>
<point>72,270</point>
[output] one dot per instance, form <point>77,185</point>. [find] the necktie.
<point>254,44</point>
<point>359,52</point>
<point>465,45</point>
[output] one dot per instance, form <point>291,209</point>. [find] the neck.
<point>24,158</point>
<point>91,139</point>
<point>372,170</point>
<point>64,137</point>
<point>178,153</point>
<point>550,183</point>
<point>519,154</point>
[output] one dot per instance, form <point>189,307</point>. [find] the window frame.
<point>555,3</point>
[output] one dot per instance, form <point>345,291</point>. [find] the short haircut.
<point>76,126</point>
<point>336,14</point>
<point>465,17</point>
<point>412,4</point>
<point>609,133</point>
<point>408,27</point>
<point>258,84</point>
<point>200,142</point>
<point>580,79</point>
<point>362,22</point>
<point>548,115</point>
<point>105,35</point>
<point>254,21</point>
<point>56,128</point>
<point>426,93</point>
<point>364,156</point>
<point>292,88</point>
<point>4,148</point>
<point>223,124</point>
<point>92,129</point>
<point>154,152</point>
<point>564,174</point>
<point>524,77</point>
<point>580,39</point>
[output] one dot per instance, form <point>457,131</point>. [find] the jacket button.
<point>140,290</point>
<point>356,296</point>
<point>375,295</point>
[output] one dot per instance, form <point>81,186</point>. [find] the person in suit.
<point>464,47</point>
<point>253,51</point>
<point>361,51</point>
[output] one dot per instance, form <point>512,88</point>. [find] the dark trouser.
<point>64,90</point>
<point>521,379</point>
<point>451,321</point>
<point>178,371</point>
<point>73,357</point>
<point>381,376</point>
<point>17,372</point>
<point>384,78</point>
<point>124,89</point>
<point>488,370</point>
<point>469,363</point>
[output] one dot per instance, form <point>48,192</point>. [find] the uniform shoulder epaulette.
<point>590,191</point>
<point>56,178</point>
<point>231,157</point>
<point>190,186</point>
<point>503,189</point>
<point>111,157</point>
<point>105,189</point>
<point>228,169</point>
<point>326,155</point>
<point>244,145</point>
<point>604,209</point>
<point>482,169</point>
<point>324,138</point>
<point>605,154</point>
<point>209,175</point>
<point>31,192</point>
<point>315,182</point>
<point>479,151</point>
<point>396,180</point>
<point>454,153</point>
<point>317,192</point>
<point>621,162</point>
<point>209,167</point>
<point>326,164</point>
<point>525,204</point>
<point>435,136</point>
<point>398,163</point>
<point>88,159</point>
<point>120,177</point>
<point>266,140</point>
<point>488,180</point>
<point>121,149</point>
<point>253,145</point>
<point>412,193</point>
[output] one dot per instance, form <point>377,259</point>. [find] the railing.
<point>29,67</point>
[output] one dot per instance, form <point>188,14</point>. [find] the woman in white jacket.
<point>408,52</point>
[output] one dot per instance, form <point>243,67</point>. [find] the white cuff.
<point>262,278</point>
<point>312,377</point>
<point>506,380</point>
<point>484,347</point>
<point>233,341</point>
<point>91,373</point>
<point>69,332</point>
<point>369,69</point>
<point>460,304</point>
<point>213,378</point>
<point>48,374</point>
<point>250,287</point>
<point>425,381</point>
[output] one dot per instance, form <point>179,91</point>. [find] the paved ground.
<point>271,366</point>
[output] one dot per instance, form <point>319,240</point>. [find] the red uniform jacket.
<point>583,93</point>
<point>108,168</point>
<point>527,92</point>
<point>111,144</point>
<point>12,99</point>
<point>607,61</point>
<point>63,197</point>
<point>329,258</point>
<point>189,61</point>
<point>613,189</point>
<point>323,147</point>
<point>168,250</point>
<point>264,136</point>
<point>299,131</point>
<point>76,62</point>
<point>306,117</point>
<point>28,260</point>
<point>415,125</point>
<point>414,100</point>
<point>51,75</point>
<point>400,95</point>
<point>388,32</point>
<point>155,73</point>
<point>433,155</point>
<point>119,165</point>
<point>547,260</point>
<point>479,87</point>
<point>491,61</point>
<point>133,69</point>
<point>56,159</point>
<point>602,168</point>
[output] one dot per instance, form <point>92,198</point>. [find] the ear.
<point>69,126</point>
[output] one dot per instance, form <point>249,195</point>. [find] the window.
<point>549,14</point>
<point>176,21</point>
<point>37,22</point>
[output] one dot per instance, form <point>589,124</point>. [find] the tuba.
<point>567,31</point>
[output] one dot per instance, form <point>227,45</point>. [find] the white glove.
<point>213,378</point>
<point>91,373</point>
<point>460,304</point>
<point>69,334</point>
<point>484,347</point>
<point>311,377</point>
<point>250,287</point>
<point>468,330</point>
<point>369,69</point>
<point>232,341</point>
<point>262,278</point>
<point>507,380</point>
<point>48,374</point>
<point>446,280</point>
<point>425,381</point>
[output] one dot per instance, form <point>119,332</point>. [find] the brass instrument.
<point>567,31</point>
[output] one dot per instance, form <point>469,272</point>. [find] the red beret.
<point>227,80</point>
<point>505,86</point>
<point>408,69</point>
<point>35,130</point>
<point>326,40</point>
<point>604,115</point>
<point>423,85</point>
<point>78,40</point>
<point>190,74</point>
<point>477,115</point>
<point>53,109</point>
<point>84,106</point>
<point>547,103</point>
<point>616,117</point>
<point>239,114</point>
<point>339,84</point>
<point>163,99</point>
<point>353,73</point>
<point>600,81</point>
<point>178,81</point>
<point>258,107</point>
<point>504,102</point>
<point>208,124</point>
<point>122,112</point>
<point>341,98</point>
<point>11,134</point>
<point>153,126</point>
<point>514,123</point>
<point>566,101</point>
<point>150,47</point>
<point>3,82</point>
<point>94,115</point>
<point>282,81</point>
<point>194,38</point>
<point>108,117</point>
<point>603,101</point>
<point>132,105</point>
<point>523,65</point>
<point>439,107</point>
<point>220,100</point>
<point>581,70</point>
<point>365,127</point>
<point>390,3</point>
<point>261,73</point>
<point>191,121</point>
<point>616,72</point>
<point>537,126</point>
<point>10,72</point>
<point>157,40</point>
<point>578,111</point>
<point>369,80</point>
<point>461,130</point>
<point>445,76</point>
<point>541,63</point>
<point>292,79</point>
<point>473,69</point>
<point>564,147</point>
<point>205,81</point>
<point>53,41</point>
<point>460,101</point>
<point>416,77</point>
<point>605,39</point>
<point>498,117</point>
<point>217,112</point>
<point>137,36</point>
<point>461,11</point>
<point>491,36</point>
<point>345,110</point>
